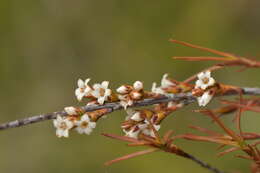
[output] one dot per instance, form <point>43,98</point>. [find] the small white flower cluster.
<point>64,124</point>
<point>165,83</point>
<point>204,81</point>
<point>99,91</point>
<point>128,94</point>
<point>141,125</point>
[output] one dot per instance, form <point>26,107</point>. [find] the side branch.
<point>186,98</point>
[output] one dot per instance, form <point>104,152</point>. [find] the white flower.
<point>157,90</point>
<point>63,125</point>
<point>138,85</point>
<point>133,133</point>
<point>130,113</point>
<point>84,125</point>
<point>122,89</point>
<point>149,132</point>
<point>125,100</point>
<point>157,127</point>
<point>136,116</point>
<point>204,99</point>
<point>101,92</point>
<point>204,80</point>
<point>71,110</point>
<point>140,127</point>
<point>136,95</point>
<point>165,82</point>
<point>83,89</point>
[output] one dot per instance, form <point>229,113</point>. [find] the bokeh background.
<point>46,45</point>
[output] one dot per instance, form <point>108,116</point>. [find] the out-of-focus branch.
<point>203,164</point>
<point>186,98</point>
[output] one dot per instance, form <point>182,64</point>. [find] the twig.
<point>187,98</point>
<point>203,164</point>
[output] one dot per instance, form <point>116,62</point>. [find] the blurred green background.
<point>46,45</point>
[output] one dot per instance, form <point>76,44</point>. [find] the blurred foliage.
<point>46,45</point>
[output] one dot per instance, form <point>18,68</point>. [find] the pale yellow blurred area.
<point>46,45</point>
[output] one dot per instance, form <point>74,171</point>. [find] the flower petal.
<point>204,99</point>
<point>137,117</point>
<point>92,125</point>
<point>97,86</point>
<point>70,110</point>
<point>86,81</point>
<point>95,93</point>
<point>87,131</point>
<point>138,85</point>
<point>201,75</point>
<point>101,100</point>
<point>81,83</point>
<point>66,133</point>
<point>211,81</point>
<point>105,84</point>
<point>165,82</point>
<point>122,89</point>
<point>108,92</point>
<point>85,117</point>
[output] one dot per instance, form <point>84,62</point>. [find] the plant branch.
<point>166,146</point>
<point>203,164</point>
<point>186,98</point>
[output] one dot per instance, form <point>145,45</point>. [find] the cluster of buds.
<point>140,122</point>
<point>128,94</point>
<point>203,84</point>
<point>82,124</point>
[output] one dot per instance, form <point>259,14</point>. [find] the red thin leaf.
<point>246,107</point>
<point>244,157</point>
<point>204,49</point>
<point>239,113</point>
<point>221,146</point>
<point>121,138</point>
<point>141,143</point>
<point>202,58</point>
<point>225,110</point>
<point>251,136</point>
<point>220,123</point>
<point>167,135</point>
<point>208,139</point>
<point>228,151</point>
<point>204,130</point>
<point>258,152</point>
<point>139,153</point>
<point>256,143</point>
